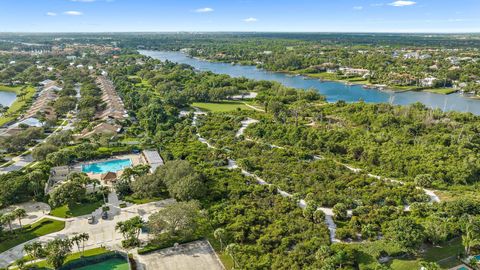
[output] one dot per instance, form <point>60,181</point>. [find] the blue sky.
<point>240,15</point>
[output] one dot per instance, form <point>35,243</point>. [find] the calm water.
<point>333,91</point>
<point>107,166</point>
<point>7,98</point>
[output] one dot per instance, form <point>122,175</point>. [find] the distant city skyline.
<point>400,16</point>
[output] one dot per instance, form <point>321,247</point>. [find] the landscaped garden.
<point>29,232</point>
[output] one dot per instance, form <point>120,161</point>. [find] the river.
<point>333,91</point>
<point>7,98</point>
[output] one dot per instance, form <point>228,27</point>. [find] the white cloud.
<point>402,3</point>
<point>73,13</point>
<point>51,14</point>
<point>358,8</point>
<point>250,20</point>
<point>204,10</point>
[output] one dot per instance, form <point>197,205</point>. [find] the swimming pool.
<point>111,264</point>
<point>114,165</point>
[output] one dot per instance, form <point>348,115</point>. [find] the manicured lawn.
<point>75,256</point>
<point>29,232</point>
<point>368,252</point>
<point>443,91</point>
<point>324,75</point>
<point>76,210</point>
<point>15,109</point>
<point>135,200</point>
<point>444,256</point>
<point>401,264</point>
<point>224,106</point>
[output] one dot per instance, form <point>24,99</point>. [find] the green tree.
<point>405,232</point>
<point>68,193</point>
<point>340,210</point>
<point>424,180</point>
<point>57,251</point>
<point>79,240</point>
<point>471,235</point>
<point>220,234</point>
<point>176,218</point>
<point>232,250</point>
<point>20,213</point>
<point>130,229</point>
<point>7,219</point>
<point>35,250</point>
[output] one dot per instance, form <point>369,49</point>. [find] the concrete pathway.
<point>232,164</point>
<point>35,211</point>
<point>102,232</point>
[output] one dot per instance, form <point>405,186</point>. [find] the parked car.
<point>105,215</point>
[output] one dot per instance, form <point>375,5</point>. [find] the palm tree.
<point>20,213</point>
<point>95,182</point>
<point>130,229</point>
<point>220,234</point>
<point>232,250</point>
<point>7,219</point>
<point>34,249</point>
<point>469,238</point>
<point>84,237</point>
<point>76,240</point>
<point>122,227</point>
<point>104,190</point>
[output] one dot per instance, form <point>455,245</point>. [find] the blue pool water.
<point>477,257</point>
<point>107,166</point>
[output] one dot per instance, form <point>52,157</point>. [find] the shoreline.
<point>346,82</point>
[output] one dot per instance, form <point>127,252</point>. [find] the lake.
<point>333,91</point>
<point>7,98</point>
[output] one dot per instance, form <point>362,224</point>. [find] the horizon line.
<point>234,31</point>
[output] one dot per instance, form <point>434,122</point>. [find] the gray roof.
<point>153,158</point>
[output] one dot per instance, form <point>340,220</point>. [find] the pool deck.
<point>136,159</point>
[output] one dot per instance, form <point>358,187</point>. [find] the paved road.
<point>102,233</point>
<point>24,160</point>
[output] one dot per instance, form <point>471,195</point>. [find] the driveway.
<point>102,233</point>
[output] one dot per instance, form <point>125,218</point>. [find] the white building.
<point>428,82</point>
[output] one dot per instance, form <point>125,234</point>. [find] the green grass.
<point>225,258</point>
<point>17,106</point>
<point>132,199</point>
<point>369,252</point>
<point>29,232</point>
<point>324,75</point>
<point>75,256</point>
<point>76,210</point>
<point>442,91</point>
<point>224,106</point>
<point>444,256</point>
